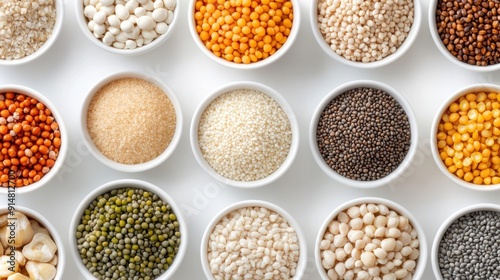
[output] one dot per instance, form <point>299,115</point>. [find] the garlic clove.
<point>42,248</point>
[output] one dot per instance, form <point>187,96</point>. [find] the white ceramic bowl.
<point>408,42</point>
<point>271,93</point>
<point>442,48</point>
<point>355,183</point>
<point>32,214</point>
<point>434,131</point>
<point>48,44</point>
<point>422,259</point>
<point>301,265</point>
<point>138,184</point>
<point>261,63</point>
<point>447,223</point>
<point>132,167</point>
<point>82,22</point>
<point>63,149</point>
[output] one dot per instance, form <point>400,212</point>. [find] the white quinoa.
<point>131,121</point>
<point>253,243</point>
<point>244,135</point>
<point>25,26</point>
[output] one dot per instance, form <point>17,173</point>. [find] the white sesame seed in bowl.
<point>365,34</point>
<point>244,134</point>
<point>29,29</point>
<point>286,257</point>
<point>131,121</point>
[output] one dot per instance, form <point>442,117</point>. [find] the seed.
<point>363,134</point>
<point>244,135</point>
<point>125,112</point>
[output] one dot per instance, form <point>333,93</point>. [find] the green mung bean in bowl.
<point>466,245</point>
<point>131,121</point>
<point>127,229</point>
<point>244,134</point>
<point>363,134</point>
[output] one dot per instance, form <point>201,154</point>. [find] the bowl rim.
<point>54,234</point>
<point>439,44</point>
<point>48,44</point>
<point>434,129</point>
<point>273,94</point>
<point>447,223</point>
<point>63,149</point>
<point>391,177</point>
<point>401,50</point>
<point>158,41</point>
<point>134,183</point>
<point>132,167</point>
<point>303,258</point>
<point>254,65</point>
<point>422,259</point>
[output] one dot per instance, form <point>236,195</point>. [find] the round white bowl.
<point>63,149</point>
<point>276,97</point>
<point>301,265</point>
<point>32,214</point>
<point>82,22</point>
<point>434,130</point>
<point>132,167</point>
<point>117,184</point>
<point>408,42</point>
<point>355,183</point>
<point>442,48</point>
<point>48,44</point>
<point>261,63</point>
<point>447,223</point>
<point>422,259</point>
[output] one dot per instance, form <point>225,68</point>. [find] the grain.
<point>244,135</point>
<point>363,134</point>
<point>131,121</point>
<point>25,26</point>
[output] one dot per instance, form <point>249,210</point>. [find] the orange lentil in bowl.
<point>30,139</point>
<point>243,31</point>
<point>468,138</point>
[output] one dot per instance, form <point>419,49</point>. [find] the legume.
<point>35,252</point>
<point>128,233</point>
<point>363,134</point>
<point>469,248</point>
<point>467,138</point>
<point>365,31</point>
<point>30,139</point>
<point>243,31</point>
<point>244,135</point>
<point>370,241</point>
<point>128,24</point>
<point>25,26</point>
<point>125,112</point>
<point>469,30</point>
<point>253,243</point>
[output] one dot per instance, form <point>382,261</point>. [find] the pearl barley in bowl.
<point>28,29</point>
<point>131,121</point>
<point>245,135</point>
<point>465,135</point>
<point>244,34</point>
<point>34,139</point>
<point>365,34</point>
<point>363,134</point>
<point>253,240</point>
<point>370,238</point>
<point>130,27</point>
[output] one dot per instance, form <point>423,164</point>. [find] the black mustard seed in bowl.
<point>363,134</point>
<point>466,246</point>
<point>128,229</point>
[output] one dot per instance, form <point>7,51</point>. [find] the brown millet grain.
<point>131,121</point>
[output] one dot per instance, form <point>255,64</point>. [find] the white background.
<point>303,76</point>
